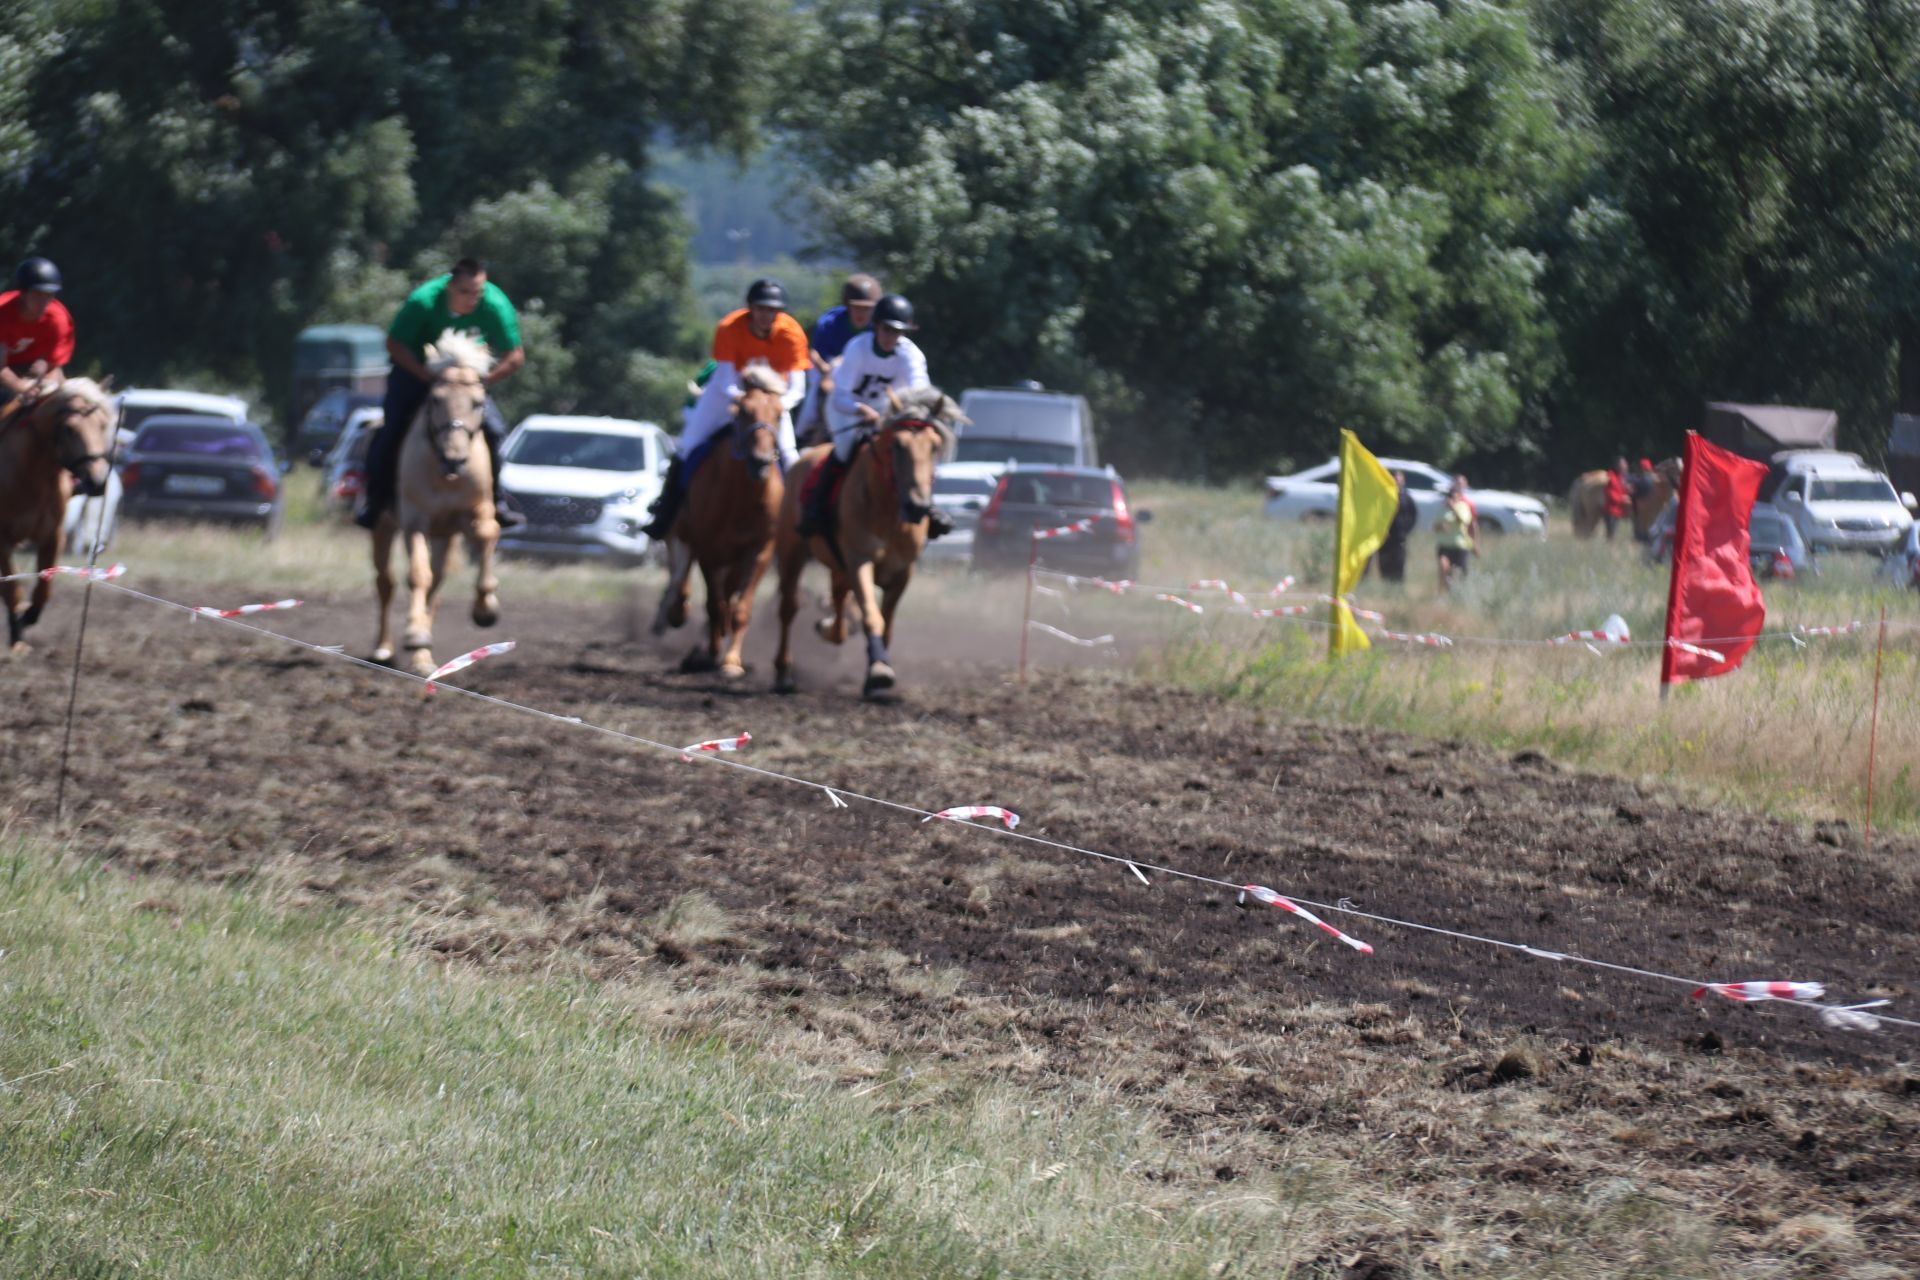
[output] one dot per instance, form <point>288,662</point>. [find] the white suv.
<point>584,485</point>
<point>1838,504</point>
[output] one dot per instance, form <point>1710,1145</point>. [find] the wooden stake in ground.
<point>1873,723</point>
<point>1026,614</point>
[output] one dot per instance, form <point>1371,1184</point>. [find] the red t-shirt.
<point>49,338</point>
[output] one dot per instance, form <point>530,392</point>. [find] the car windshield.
<point>132,417</point>
<point>357,447</point>
<point>589,450</point>
<point>1060,491</point>
<point>1850,489</point>
<point>1769,531</point>
<point>210,441</point>
<point>1029,452</point>
<point>957,487</point>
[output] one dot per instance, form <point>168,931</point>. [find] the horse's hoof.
<point>825,629</point>
<point>784,683</point>
<point>677,614</point>
<point>20,648</point>
<point>698,662</point>
<point>383,655</point>
<point>732,671</point>
<point>486,613</point>
<point>423,663</point>
<point>417,640</point>
<point>879,680</point>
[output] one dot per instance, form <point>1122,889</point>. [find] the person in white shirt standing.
<point>880,360</point>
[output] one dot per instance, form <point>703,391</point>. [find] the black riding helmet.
<point>894,312</point>
<point>767,293</point>
<point>37,273</point>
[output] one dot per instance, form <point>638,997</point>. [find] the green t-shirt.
<point>424,317</point>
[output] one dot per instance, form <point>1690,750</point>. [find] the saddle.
<point>810,484</point>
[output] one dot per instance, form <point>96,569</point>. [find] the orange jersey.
<point>783,350</point>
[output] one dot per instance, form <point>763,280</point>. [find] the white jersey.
<point>865,376</point>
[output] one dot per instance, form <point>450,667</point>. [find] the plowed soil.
<point>1478,1079</point>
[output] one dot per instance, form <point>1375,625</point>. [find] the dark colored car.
<point>189,468</point>
<point>1030,498</point>
<point>319,430</point>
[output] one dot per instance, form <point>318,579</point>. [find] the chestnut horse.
<point>1587,499</point>
<point>726,527</point>
<point>49,449</point>
<point>880,527</point>
<point>445,488</point>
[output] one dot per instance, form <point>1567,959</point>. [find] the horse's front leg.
<point>874,623</point>
<point>673,601</point>
<point>383,536</point>
<point>481,544</point>
<point>10,594</point>
<point>706,656</point>
<point>419,634</point>
<point>743,582</point>
<point>793,559</point>
<point>47,554</point>
<point>890,600</point>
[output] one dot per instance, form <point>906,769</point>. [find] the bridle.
<point>438,432</point>
<point>63,431</point>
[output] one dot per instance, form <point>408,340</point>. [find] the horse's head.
<point>918,432</point>
<point>457,400</point>
<point>756,420</point>
<point>79,419</point>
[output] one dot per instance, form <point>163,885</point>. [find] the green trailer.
<point>350,358</point>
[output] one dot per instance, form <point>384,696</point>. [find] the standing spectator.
<point>1619,499</point>
<point>1393,552</point>
<point>1639,485</point>
<point>1457,534</point>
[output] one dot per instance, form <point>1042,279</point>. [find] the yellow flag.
<point>1368,499</point>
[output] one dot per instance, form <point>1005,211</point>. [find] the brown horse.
<point>880,527</point>
<point>445,489</point>
<point>50,448</point>
<point>726,527</point>
<point>1587,499</point>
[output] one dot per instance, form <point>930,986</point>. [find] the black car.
<point>320,429</point>
<point>1030,498</point>
<point>192,468</point>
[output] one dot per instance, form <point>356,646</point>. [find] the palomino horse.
<point>880,527</point>
<point>48,450</point>
<point>726,527</point>
<point>1587,499</point>
<point>445,487</point>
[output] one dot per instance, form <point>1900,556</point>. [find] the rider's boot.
<point>376,497</point>
<point>938,526</point>
<point>815,512</point>
<point>667,506</point>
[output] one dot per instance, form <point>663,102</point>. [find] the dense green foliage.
<point>214,175</point>
<point>1522,232</point>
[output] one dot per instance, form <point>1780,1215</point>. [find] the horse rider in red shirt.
<point>36,332</point>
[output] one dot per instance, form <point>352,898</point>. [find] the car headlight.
<point>627,497</point>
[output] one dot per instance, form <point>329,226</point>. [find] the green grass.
<point>198,1084</point>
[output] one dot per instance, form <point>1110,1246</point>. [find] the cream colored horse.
<point>444,489</point>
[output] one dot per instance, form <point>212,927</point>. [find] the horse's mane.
<point>456,350</point>
<point>931,404</point>
<point>88,390</point>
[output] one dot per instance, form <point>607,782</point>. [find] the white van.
<point>1026,424</point>
<point>1838,503</point>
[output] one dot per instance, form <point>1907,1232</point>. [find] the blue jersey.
<point>832,332</point>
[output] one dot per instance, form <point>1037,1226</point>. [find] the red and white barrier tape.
<point>968,812</point>
<point>1097,642</point>
<point>1188,605</point>
<point>245,610</point>
<point>1065,530</point>
<point>1366,615</point>
<point>1593,637</point>
<point>1261,893</point>
<point>462,662</point>
<point>1432,639</point>
<point>1285,611</point>
<point>714,745</point>
<point>99,573</point>
<point>1711,655</point>
<point>1747,992</point>
<point>1847,630</point>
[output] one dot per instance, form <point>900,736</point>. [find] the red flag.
<point>1714,609</point>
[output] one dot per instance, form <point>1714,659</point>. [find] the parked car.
<point>1775,548</point>
<point>961,495</point>
<point>1844,506</point>
<point>136,404</point>
<point>344,476</point>
<point>320,429</point>
<point>1902,565</point>
<point>1026,424</point>
<point>584,485</point>
<point>199,468</point>
<point>1029,498</point>
<point>1314,494</point>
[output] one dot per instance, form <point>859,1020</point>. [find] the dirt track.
<point>872,939</point>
